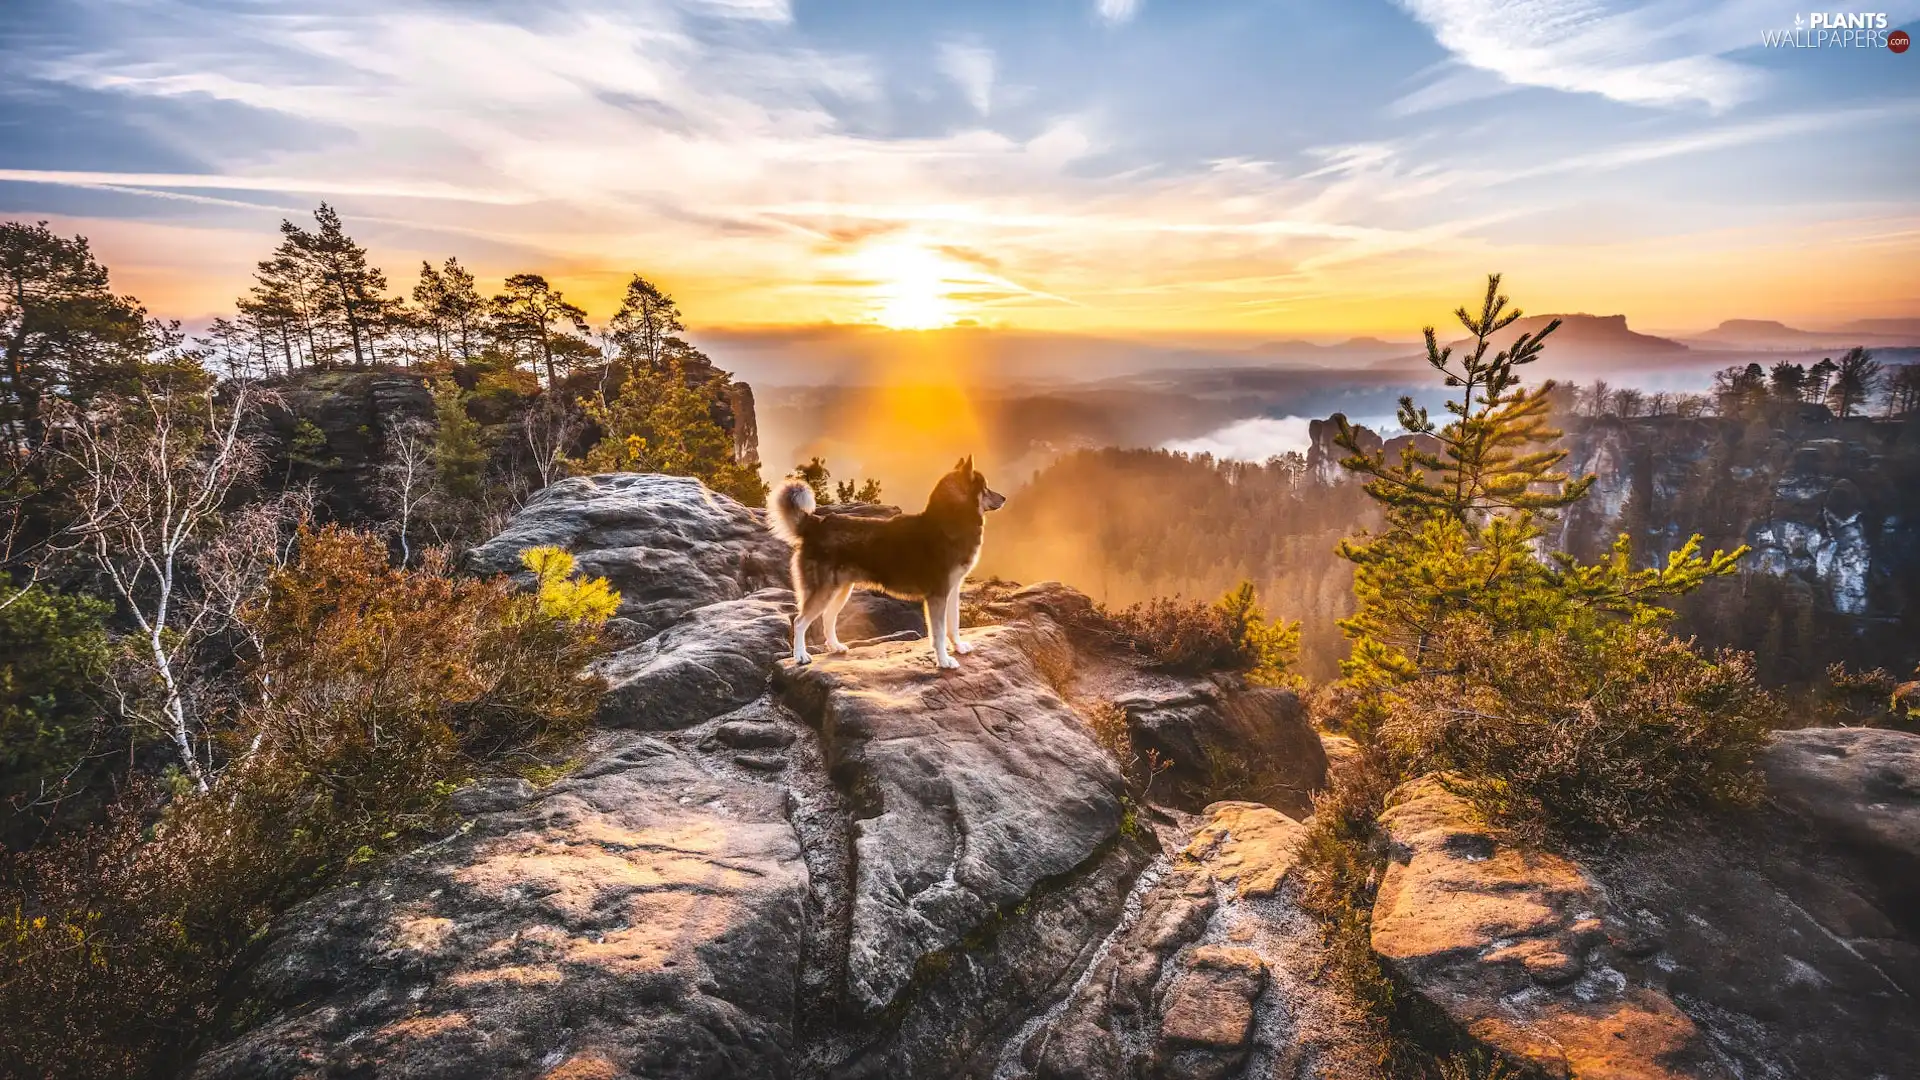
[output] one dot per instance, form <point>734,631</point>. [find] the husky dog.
<point>922,556</point>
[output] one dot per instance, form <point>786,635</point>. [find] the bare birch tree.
<point>153,475</point>
<point>407,478</point>
<point>550,428</point>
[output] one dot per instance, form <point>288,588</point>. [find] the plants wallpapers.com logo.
<point>1838,30</point>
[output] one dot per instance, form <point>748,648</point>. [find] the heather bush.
<point>380,691</point>
<point>1193,638</point>
<point>1573,733</point>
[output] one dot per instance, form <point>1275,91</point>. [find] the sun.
<point>912,286</point>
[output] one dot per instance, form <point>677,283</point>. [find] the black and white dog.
<point>922,556</point>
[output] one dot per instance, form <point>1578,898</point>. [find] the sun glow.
<point>912,286</point>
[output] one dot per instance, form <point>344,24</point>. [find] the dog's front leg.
<point>937,631</point>
<point>953,621</point>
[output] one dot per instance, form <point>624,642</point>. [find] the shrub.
<point>380,690</point>
<point>1193,638</point>
<point>1570,733</point>
<point>53,654</point>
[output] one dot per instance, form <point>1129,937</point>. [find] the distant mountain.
<point>1907,330</point>
<point>1760,333</point>
<point>1352,349</point>
<point>1584,344</point>
<point>1771,335</point>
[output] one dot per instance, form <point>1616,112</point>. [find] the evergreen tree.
<point>1787,380</point>
<point>1855,380</point>
<point>67,335</point>
<point>1903,390</point>
<point>349,292</point>
<point>1818,377</point>
<point>1463,527</point>
<point>452,307</point>
<point>535,317</point>
<point>646,321</point>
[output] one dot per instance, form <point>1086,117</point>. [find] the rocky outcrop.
<point>1214,972</point>
<point>870,868</point>
<point>642,917</point>
<point>1514,946</point>
<point>330,428</point>
<point>1823,503</point>
<point>1253,742</point>
<point>667,543</point>
<point>968,791</point>
<point>1778,943</point>
<point>865,867</point>
<point>1324,455</point>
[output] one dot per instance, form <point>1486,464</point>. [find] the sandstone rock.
<point>1205,980</point>
<point>714,660</point>
<point>1211,1002</point>
<point>352,413</point>
<point>667,543</point>
<point>1246,845</point>
<point>1509,944</point>
<point>641,917</point>
<point>1860,789</point>
<point>1789,932</point>
<point>1225,742</point>
<point>970,788</point>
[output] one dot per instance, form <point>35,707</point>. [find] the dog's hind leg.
<point>812,603</point>
<point>960,648</point>
<point>831,617</point>
<point>937,630</point>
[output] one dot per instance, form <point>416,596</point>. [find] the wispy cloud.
<point>1653,54</point>
<point>1116,12</point>
<point>770,172</point>
<point>970,66</point>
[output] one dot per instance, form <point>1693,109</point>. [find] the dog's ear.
<point>963,465</point>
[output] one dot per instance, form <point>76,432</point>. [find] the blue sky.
<point>1231,166</point>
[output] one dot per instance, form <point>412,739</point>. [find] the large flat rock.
<point>1859,789</point>
<point>969,787</point>
<point>640,917</point>
<point>666,542</point>
<point>1513,946</point>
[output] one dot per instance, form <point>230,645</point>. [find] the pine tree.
<point>452,307</point>
<point>349,293</point>
<point>646,321</point>
<point>67,336</point>
<point>534,315</point>
<point>1855,380</point>
<point>1463,530</point>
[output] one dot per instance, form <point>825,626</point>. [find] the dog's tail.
<point>788,508</point>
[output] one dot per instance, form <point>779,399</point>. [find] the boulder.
<point>667,543</point>
<point>1215,971</point>
<point>1513,946</point>
<point>714,660</point>
<point>1247,845</point>
<point>1859,788</point>
<point>1777,941</point>
<point>639,917</point>
<point>1206,1017</point>
<point>970,787</point>
<point>1227,742</point>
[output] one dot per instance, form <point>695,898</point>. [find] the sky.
<point>1148,167</point>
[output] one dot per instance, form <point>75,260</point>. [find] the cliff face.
<point>1830,508</point>
<point>869,868</point>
